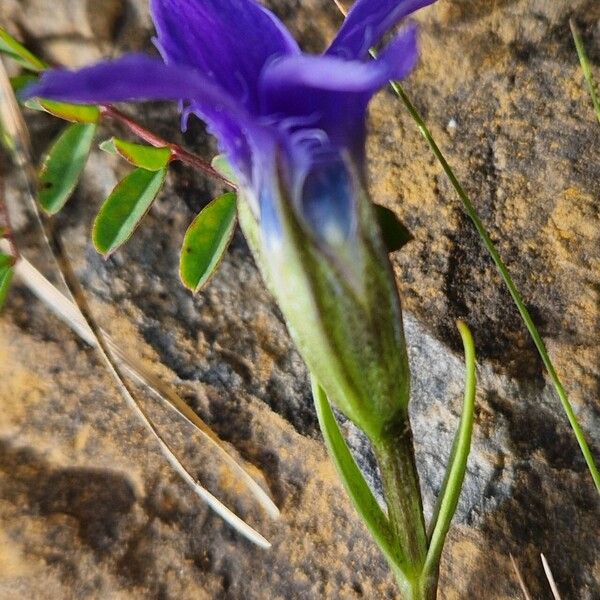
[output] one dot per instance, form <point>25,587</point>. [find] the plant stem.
<point>396,458</point>
<point>178,153</point>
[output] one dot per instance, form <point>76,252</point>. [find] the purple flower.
<point>272,107</point>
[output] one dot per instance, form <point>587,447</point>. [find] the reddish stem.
<point>177,152</point>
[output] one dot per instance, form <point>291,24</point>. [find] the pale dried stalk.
<point>550,578</point>
<point>16,138</point>
<point>69,313</point>
<point>520,578</point>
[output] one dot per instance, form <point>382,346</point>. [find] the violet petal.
<point>367,22</point>
<point>228,41</point>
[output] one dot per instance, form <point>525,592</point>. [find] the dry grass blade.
<point>520,578</point>
<point>16,139</point>
<point>550,578</point>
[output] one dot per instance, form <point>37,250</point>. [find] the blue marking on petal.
<point>270,222</point>
<point>327,202</point>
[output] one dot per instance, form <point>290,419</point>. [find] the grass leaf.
<point>457,463</point>
<point>586,67</point>
<point>15,50</point>
<point>354,482</point>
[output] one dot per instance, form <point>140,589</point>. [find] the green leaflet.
<point>140,155</point>
<point>206,240</point>
<point>6,274</point>
<point>15,50</point>
<point>222,166</point>
<point>123,210</point>
<point>76,113</point>
<point>63,165</point>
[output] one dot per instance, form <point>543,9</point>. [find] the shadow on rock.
<point>534,519</point>
<point>98,500</point>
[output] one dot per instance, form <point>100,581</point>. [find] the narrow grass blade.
<point>550,578</point>
<point>520,579</point>
<point>457,463</point>
<point>67,311</point>
<point>512,288</point>
<point>15,50</point>
<point>586,67</point>
<point>354,482</point>
<point>508,281</point>
<point>100,342</point>
<point>206,240</point>
<point>63,165</point>
<point>126,206</point>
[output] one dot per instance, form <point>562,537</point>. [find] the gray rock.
<point>89,509</point>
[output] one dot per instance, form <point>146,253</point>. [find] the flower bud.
<point>323,259</point>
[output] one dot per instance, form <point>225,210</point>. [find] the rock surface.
<point>88,507</point>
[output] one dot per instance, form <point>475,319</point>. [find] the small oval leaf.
<point>206,240</point>
<point>6,261</point>
<point>221,165</point>
<point>76,113</point>
<point>6,274</point>
<point>11,47</point>
<point>63,165</point>
<point>123,210</point>
<point>140,155</point>
<point>395,235</point>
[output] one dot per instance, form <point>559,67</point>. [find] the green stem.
<point>585,67</point>
<point>512,288</point>
<point>396,459</point>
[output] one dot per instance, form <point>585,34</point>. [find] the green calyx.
<point>342,310</point>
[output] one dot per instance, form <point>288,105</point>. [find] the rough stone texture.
<point>88,508</point>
